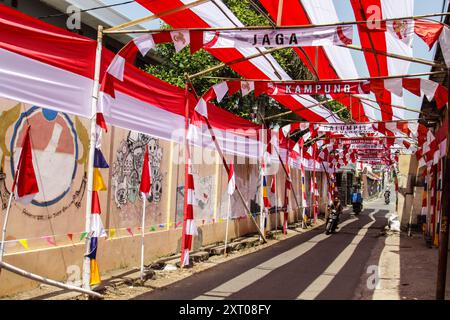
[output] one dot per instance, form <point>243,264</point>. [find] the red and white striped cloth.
<point>231,180</point>
<point>189,227</point>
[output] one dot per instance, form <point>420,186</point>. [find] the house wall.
<point>45,237</point>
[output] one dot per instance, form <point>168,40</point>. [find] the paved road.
<point>307,266</point>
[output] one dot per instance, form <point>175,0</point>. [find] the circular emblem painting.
<point>55,152</point>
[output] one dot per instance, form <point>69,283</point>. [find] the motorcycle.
<point>357,208</point>
<point>332,222</point>
<point>387,195</point>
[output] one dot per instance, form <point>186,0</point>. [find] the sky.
<point>345,13</point>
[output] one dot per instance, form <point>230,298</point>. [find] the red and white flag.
<point>146,184</point>
<point>231,180</point>
<point>25,185</point>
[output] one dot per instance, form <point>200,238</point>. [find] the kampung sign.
<point>289,88</point>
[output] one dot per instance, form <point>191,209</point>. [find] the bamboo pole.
<point>142,237</point>
<point>395,56</point>
<point>224,162</point>
<point>35,277</point>
<point>261,181</point>
<point>334,80</point>
<point>5,224</point>
<point>280,12</point>
<point>392,105</point>
<point>445,207</point>
<point>222,65</point>
<point>225,251</point>
<point>154,16</point>
<point>313,67</point>
<point>304,26</point>
<point>284,167</point>
<point>186,175</point>
<point>92,145</point>
<point>289,177</point>
<point>300,109</point>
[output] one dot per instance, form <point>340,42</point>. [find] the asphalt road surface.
<point>307,266</point>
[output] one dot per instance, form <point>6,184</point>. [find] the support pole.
<point>224,162</point>
<point>92,145</point>
<point>289,177</point>
<point>186,173</point>
<point>142,236</point>
<point>276,204</point>
<point>219,150</point>
<point>35,277</point>
<point>443,243</point>
<point>225,251</point>
<point>290,27</point>
<point>5,223</point>
<point>280,12</point>
<point>222,65</point>
<point>261,181</point>
<point>155,16</point>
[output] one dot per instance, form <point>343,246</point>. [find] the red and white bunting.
<point>290,88</point>
<point>419,87</point>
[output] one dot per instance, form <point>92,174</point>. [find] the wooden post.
<point>92,145</point>
<point>225,250</point>
<point>5,223</point>
<point>280,12</point>
<point>35,277</point>
<point>144,198</point>
<point>443,243</point>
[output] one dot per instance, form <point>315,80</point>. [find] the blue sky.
<point>134,10</point>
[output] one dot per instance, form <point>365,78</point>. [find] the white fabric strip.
<point>43,85</point>
<point>191,228</point>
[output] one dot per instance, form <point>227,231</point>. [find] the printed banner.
<point>347,128</point>
<point>289,88</point>
<point>366,146</point>
<point>359,140</point>
<point>298,37</point>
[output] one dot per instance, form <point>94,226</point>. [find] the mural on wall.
<point>251,193</point>
<point>203,199</point>
<point>59,146</point>
<point>126,177</point>
<point>127,168</point>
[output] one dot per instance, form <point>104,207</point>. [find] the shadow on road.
<point>294,274</point>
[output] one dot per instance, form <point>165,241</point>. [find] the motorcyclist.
<point>356,197</point>
<point>336,205</point>
<point>387,193</point>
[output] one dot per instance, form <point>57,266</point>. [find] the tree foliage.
<point>175,66</point>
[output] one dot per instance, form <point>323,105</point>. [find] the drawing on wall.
<point>56,148</point>
<point>127,168</point>
<point>203,199</point>
<point>250,192</point>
